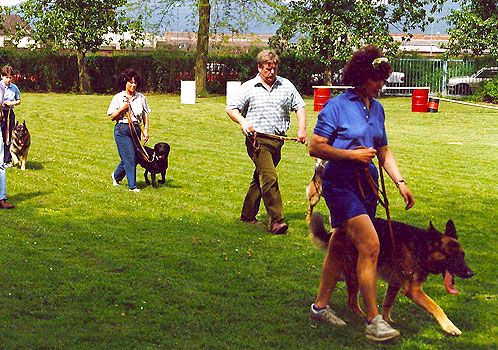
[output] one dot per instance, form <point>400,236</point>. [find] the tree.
<point>202,46</point>
<point>79,25</point>
<point>329,31</point>
<point>475,28</point>
<point>212,16</point>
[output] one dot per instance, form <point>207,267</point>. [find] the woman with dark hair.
<point>128,109</point>
<point>349,133</point>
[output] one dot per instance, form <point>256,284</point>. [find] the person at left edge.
<point>3,174</point>
<point>263,105</point>
<point>134,102</point>
<point>12,97</point>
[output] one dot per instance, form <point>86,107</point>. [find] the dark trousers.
<point>7,134</point>
<point>126,149</point>
<point>264,183</point>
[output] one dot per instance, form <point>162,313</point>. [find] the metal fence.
<point>432,73</point>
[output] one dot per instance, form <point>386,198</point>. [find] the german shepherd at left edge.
<point>420,252</point>
<point>19,148</point>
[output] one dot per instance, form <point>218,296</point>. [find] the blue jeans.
<point>6,135</point>
<point>126,150</point>
<point>3,178</point>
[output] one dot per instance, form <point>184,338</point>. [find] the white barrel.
<point>187,92</point>
<point>232,90</point>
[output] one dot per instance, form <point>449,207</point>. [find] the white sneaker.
<point>135,189</point>
<point>326,316</point>
<point>114,181</point>
<point>380,330</point>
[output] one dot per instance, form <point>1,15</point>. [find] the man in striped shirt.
<point>262,108</point>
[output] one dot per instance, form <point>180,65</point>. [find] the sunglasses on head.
<point>378,61</point>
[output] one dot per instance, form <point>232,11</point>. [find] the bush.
<point>161,70</point>
<point>488,92</point>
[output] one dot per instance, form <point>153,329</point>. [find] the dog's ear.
<point>434,232</point>
<point>431,227</point>
<point>17,122</point>
<point>24,122</point>
<point>450,230</point>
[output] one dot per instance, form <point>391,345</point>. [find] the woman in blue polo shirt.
<point>349,133</point>
<point>12,97</point>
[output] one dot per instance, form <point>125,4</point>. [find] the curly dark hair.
<point>125,76</point>
<point>360,67</point>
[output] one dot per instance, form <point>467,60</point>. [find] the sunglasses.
<point>378,61</point>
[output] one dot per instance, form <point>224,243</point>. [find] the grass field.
<point>85,265</point>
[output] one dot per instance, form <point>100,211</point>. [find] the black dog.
<point>156,164</point>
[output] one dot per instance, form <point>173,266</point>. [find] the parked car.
<point>215,72</point>
<point>395,79</point>
<point>220,72</point>
<point>467,85</point>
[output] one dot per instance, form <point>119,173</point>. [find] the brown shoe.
<point>278,228</point>
<point>5,205</point>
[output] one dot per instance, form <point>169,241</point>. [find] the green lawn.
<point>85,265</point>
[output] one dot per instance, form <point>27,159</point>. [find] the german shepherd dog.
<point>157,163</point>
<point>19,148</point>
<point>424,252</point>
<point>314,188</point>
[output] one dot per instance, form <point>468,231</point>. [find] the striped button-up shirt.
<point>267,110</point>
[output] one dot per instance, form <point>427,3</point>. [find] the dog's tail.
<point>318,234</point>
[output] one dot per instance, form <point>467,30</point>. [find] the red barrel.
<point>419,100</point>
<point>433,105</point>
<point>321,96</point>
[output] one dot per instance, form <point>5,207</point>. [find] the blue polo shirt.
<point>12,93</point>
<point>347,123</point>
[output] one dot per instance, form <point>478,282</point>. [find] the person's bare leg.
<point>330,274</point>
<point>362,232</point>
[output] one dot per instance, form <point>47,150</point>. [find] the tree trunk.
<point>327,76</point>
<point>202,47</point>
<point>84,79</point>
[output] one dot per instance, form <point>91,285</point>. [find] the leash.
<point>136,138</point>
<point>405,270</point>
<point>8,135</point>
<point>276,137</point>
<point>253,138</point>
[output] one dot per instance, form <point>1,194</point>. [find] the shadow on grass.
<point>168,184</point>
<point>21,197</point>
<point>34,166</point>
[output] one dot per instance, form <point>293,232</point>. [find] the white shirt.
<point>138,106</point>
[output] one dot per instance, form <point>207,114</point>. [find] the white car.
<point>395,79</point>
<point>467,85</point>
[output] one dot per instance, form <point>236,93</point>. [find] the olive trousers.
<point>264,183</point>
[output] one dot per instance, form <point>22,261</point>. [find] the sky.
<point>180,20</point>
<point>10,2</point>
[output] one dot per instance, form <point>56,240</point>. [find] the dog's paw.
<point>451,329</point>
<point>162,181</point>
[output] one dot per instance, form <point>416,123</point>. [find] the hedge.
<point>161,70</point>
